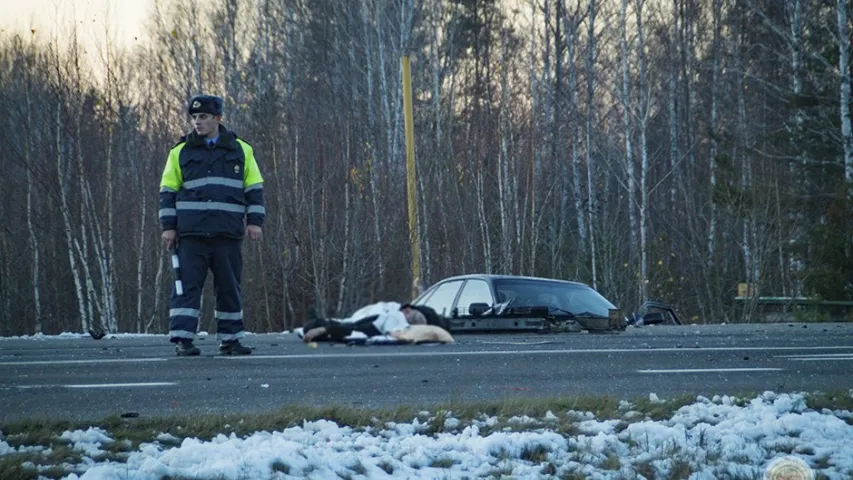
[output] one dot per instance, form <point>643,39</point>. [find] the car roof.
<point>486,276</point>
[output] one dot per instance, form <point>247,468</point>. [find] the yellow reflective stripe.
<point>172,177</point>
<point>251,172</point>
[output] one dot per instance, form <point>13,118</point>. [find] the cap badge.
<point>196,104</point>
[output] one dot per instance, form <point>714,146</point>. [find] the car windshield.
<point>569,297</point>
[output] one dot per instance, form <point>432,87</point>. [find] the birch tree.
<point>590,125</point>
<point>28,69</point>
<point>752,272</point>
<point>672,101</point>
<point>643,115</point>
<point>627,113</point>
<point>374,163</point>
<point>845,72</point>
<point>506,195</point>
<point>62,174</point>
<point>571,22</point>
<point>715,73</point>
<point>107,247</point>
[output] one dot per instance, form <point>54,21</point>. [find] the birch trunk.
<point>559,155</point>
<point>844,69</point>
<point>373,163</point>
<point>795,15</point>
<point>687,48</point>
<point>715,73</point>
<point>195,33</point>
<point>481,216</point>
<point>345,260</point>
<point>109,279</point>
<point>316,222</point>
<point>550,122</point>
<point>89,227</point>
<point>6,290</point>
<point>571,28</point>
<point>438,138</point>
<point>752,273</point>
<point>62,172</point>
<point>631,176</point>
<point>504,193</point>
<point>644,114</point>
<point>231,57</point>
<point>109,283</point>
<point>590,125</point>
<point>158,288</point>
<point>106,253</point>
<point>672,107</point>
<point>140,262</point>
<point>81,243</point>
<point>386,94</point>
<point>34,243</point>
<point>794,9</point>
<point>424,224</point>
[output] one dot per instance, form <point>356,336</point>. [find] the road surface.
<point>86,379</point>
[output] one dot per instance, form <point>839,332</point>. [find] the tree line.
<point>662,150</point>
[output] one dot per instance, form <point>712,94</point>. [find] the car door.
<point>475,290</point>
<point>442,298</point>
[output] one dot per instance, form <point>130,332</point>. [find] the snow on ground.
<point>720,437</point>
<point>77,335</point>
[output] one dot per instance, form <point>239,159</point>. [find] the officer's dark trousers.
<point>197,255</point>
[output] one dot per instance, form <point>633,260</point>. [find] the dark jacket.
<point>211,191</point>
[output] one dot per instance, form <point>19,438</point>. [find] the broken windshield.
<point>572,298</point>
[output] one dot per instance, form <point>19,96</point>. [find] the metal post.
<point>411,182</point>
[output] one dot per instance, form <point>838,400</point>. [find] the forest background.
<point>665,150</point>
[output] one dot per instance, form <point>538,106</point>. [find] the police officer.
<point>211,194</point>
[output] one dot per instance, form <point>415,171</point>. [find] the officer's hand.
<point>169,238</point>
<point>254,232</point>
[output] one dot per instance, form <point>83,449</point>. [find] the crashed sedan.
<point>481,303</point>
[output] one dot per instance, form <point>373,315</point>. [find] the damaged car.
<point>488,303</point>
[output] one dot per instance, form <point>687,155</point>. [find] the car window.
<point>586,300</point>
<point>565,296</point>
<point>441,300</point>
<point>474,291</point>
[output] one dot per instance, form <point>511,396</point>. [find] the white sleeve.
<point>391,322</point>
<point>379,308</point>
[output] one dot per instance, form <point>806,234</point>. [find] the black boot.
<point>234,347</point>
<point>185,348</point>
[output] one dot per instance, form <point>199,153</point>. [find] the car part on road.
<point>654,313</point>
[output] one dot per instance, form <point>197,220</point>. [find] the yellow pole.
<point>411,183</point>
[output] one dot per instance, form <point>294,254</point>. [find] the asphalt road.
<point>86,379</point>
